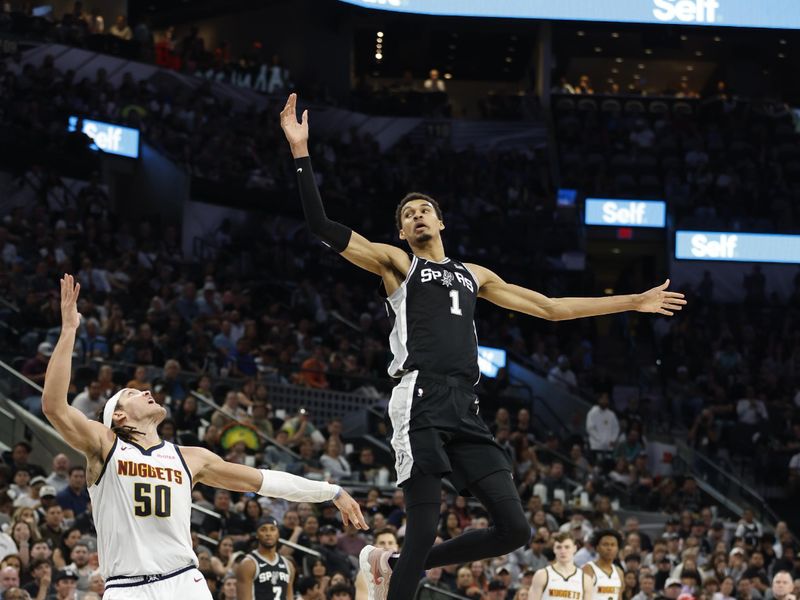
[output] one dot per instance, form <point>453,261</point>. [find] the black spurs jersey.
<point>271,581</point>
<point>434,321</point>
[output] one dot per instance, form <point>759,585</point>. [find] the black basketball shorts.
<point>438,431</point>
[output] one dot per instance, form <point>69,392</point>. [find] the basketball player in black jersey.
<point>264,574</point>
<point>434,409</point>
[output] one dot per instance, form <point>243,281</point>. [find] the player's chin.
<point>424,237</point>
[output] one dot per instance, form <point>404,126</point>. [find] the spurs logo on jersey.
<point>142,505</point>
<point>563,588</point>
<point>606,586</point>
<point>271,581</point>
<point>434,328</point>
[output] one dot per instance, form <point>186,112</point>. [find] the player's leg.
<point>509,531</point>
<point>423,494</point>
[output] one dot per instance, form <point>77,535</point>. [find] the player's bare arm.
<point>588,585</point>
<point>587,570</point>
<point>290,586</point>
<point>245,573</point>
<point>621,575</point>
<point>382,259</point>
<point>514,297</point>
<point>537,585</point>
<point>91,438</point>
<point>206,467</point>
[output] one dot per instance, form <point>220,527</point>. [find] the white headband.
<point>111,406</point>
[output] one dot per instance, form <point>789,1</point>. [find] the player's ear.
<point>402,235</point>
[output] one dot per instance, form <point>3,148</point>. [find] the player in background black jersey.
<point>434,410</point>
<point>264,574</point>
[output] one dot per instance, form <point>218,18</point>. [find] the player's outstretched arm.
<point>537,585</point>
<point>374,257</point>
<point>90,437</point>
<point>495,290</point>
<point>206,467</point>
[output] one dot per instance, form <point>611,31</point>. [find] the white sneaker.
<point>374,565</point>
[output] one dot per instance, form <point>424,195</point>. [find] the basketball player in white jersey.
<point>264,574</point>
<point>562,579</point>
<point>141,486</point>
<point>608,580</point>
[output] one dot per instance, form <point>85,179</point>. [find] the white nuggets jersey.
<point>142,504</point>
<point>559,587</point>
<point>606,586</point>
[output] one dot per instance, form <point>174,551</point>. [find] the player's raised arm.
<point>206,467</point>
<point>90,437</point>
<point>514,297</point>
<point>374,257</point>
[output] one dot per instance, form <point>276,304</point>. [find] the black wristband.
<point>333,234</point>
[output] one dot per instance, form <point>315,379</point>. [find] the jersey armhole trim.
<point>475,279</point>
<point>106,460</point>
<point>546,580</point>
<point>185,466</point>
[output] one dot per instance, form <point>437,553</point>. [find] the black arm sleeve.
<point>333,234</point>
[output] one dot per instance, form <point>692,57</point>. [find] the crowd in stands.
<point>585,87</point>
<point>723,162</point>
<point>288,311</point>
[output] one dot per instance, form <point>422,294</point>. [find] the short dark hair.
<point>338,589</point>
<point>563,536</point>
<point>306,583</point>
<point>415,196</point>
<point>74,468</point>
<point>388,530</point>
<point>599,535</point>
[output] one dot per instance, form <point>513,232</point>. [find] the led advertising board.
<point>614,212</point>
<point>776,14</point>
<point>109,137</point>
<point>737,247</point>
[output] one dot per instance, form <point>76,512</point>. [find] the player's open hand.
<point>70,317</point>
<point>296,131</point>
<point>659,300</point>
<point>351,511</point>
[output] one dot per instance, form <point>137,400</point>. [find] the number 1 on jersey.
<point>455,304</point>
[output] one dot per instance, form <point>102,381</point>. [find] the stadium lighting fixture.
<point>380,34</point>
<point>648,50</point>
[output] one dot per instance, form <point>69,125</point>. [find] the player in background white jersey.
<point>146,482</point>
<point>608,580</point>
<point>562,579</point>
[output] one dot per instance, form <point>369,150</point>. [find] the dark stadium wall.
<point>728,278</point>
<point>109,9</point>
<point>157,187</point>
<point>312,38</point>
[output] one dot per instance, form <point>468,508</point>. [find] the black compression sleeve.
<point>334,234</point>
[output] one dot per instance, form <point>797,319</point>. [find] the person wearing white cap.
<point>141,486</point>
<point>35,367</point>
